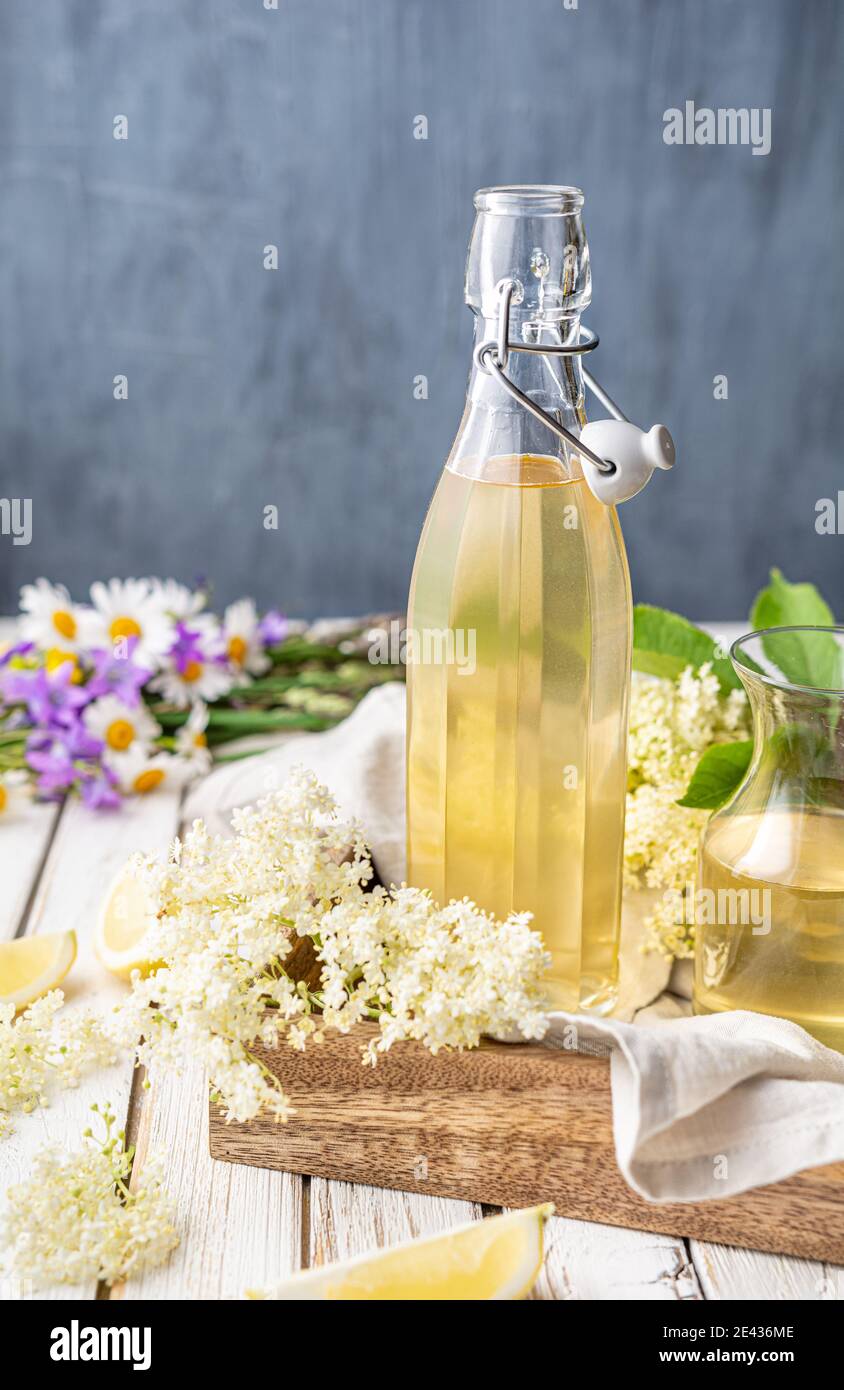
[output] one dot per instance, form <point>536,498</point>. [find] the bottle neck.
<point>495,424</point>
<point>554,381</point>
<point>798,744</point>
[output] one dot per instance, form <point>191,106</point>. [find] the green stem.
<point>297,649</point>
<point>245,753</point>
<point>234,723</point>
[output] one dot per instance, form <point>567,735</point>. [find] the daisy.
<point>178,601</point>
<point>196,668</point>
<point>191,740</point>
<point>127,609</point>
<point>242,636</point>
<point>120,726</point>
<point>50,619</point>
<point>201,680</point>
<point>14,793</point>
<point>139,770</point>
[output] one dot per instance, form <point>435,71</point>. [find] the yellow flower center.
<point>4,797</point>
<point>192,672</point>
<point>146,781</point>
<point>200,741</point>
<point>237,650</point>
<point>64,622</point>
<point>124,627</point>
<point>56,657</point>
<point>119,734</point>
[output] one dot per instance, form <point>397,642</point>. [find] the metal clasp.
<point>493,355</point>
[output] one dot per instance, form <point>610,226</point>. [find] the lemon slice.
<point>123,925</point>
<point>499,1258</point>
<point>33,965</point>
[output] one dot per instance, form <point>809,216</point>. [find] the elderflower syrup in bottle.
<point>520,623</point>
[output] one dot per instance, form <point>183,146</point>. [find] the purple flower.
<point>187,651</point>
<point>272,628</point>
<point>50,697</point>
<point>99,788</point>
<point>117,675</point>
<point>54,765</point>
<point>69,757</point>
<point>80,743</point>
<point>19,649</point>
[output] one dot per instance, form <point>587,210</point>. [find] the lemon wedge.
<point>123,925</point>
<point>33,965</point>
<point>499,1258</point>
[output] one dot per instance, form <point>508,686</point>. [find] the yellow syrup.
<point>770,919</point>
<point>517,716</point>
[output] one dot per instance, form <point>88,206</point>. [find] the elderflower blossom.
<point>38,1048</point>
<point>227,910</point>
<point>443,976</point>
<point>75,1217</point>
<point>672,723</point>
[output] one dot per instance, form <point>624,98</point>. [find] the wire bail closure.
<point>493,356</point>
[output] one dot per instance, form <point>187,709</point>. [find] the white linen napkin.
<point>707,1107</point>
<point>702,1107</point>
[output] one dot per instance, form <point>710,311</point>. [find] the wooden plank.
<point>239,1227</point>
<point>584,1260</point>
<point>353,1218</point>
<point>728,1272</point>
<point>506,1126</point>
<point>24,837</point>
<point>86,853</point>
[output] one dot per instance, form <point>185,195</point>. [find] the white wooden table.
<point>244,1226</point>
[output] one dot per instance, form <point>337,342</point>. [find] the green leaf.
<point>718,774</point>
<point>783,604</point>
<point>664,644</point>
<point>813,660</point>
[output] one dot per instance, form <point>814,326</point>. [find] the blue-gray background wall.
<point>294,126</point>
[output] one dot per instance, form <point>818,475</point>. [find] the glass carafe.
<point>769,910</point>
<point>520,626</point>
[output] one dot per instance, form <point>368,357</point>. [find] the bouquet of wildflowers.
<point>134,690</point>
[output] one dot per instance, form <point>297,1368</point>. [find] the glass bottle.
<point>520,626</point>
<point>769,910</point>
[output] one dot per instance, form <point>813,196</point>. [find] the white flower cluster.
<point>672,723</point>
<point>38,1049</point>
<point>227,911</point>
<point>444,976</point>
<point>75,1217</point>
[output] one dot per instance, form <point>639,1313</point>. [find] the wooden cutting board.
<point>505,1125</point>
